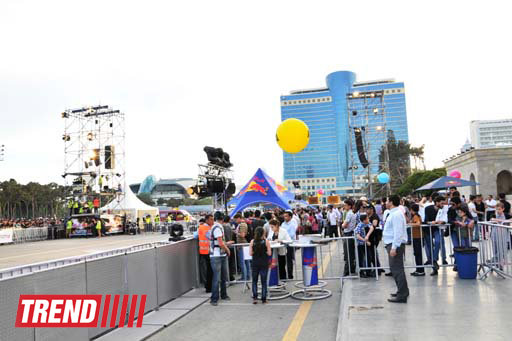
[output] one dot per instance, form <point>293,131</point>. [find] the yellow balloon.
<point>292,135</point>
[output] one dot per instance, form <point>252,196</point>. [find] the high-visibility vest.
<point>204,240</point>
<point>98,225</point>
<point>75,205</point>
<point>157,219</point>
<point>81,210</point>
<point>90,204</point>
<point>70,204</point>
<point>69,225</point>
<point>169,219</point>
<point>148,220</point>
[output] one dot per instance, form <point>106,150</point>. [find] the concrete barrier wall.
<point>162,273</point>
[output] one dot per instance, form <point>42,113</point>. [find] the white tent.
<point>130,205</point>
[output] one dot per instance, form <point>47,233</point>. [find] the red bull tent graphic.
<point>261,189</point>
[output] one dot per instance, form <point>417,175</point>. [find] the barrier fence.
<point>434,245</point>
<point>495,249</point>
<point>162,271</point>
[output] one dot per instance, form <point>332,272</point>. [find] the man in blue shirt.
<point>395,238</point>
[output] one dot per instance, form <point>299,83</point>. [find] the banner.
<point>6,236</point>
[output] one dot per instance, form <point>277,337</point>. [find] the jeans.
<point>361,257</point>
<point>418,254</point>
<point>262,271</point>
<point>349,255</point>
<point>245,265</point>
<point>220,271</point>
<point>437,239</point>
<point>290,257</point>
<point>333,231</point>
<point>396,265</point>
<point>205,271</point>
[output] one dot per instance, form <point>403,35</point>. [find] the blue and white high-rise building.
<point>334,114</point>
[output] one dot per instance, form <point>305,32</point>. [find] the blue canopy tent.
<point>261,189</point>
<point>447,182</point>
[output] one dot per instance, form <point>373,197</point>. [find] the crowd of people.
<point>26,223</point>
<point>430,219</point>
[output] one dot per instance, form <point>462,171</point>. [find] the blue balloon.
<point>383,178</point>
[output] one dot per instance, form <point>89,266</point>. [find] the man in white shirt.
<point>332,219</point>
<point>349,248</point>
<point>394,237</point>
<point>290,225</point>
<point>218,252</point>
<point>490,205</point>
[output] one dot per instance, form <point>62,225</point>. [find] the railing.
<point>30,234</point>
<point>56,263</point>
<point>161,271</point>
<point>163,227</point>
<point>495,249</point>
<point>290,266</point>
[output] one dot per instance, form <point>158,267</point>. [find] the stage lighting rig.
<point>216,178</point>
<point>218,157</point>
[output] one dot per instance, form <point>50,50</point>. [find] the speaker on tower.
<point>360,147</point>
<point>110,157</point>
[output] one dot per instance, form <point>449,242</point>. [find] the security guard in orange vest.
<point>205,269</point>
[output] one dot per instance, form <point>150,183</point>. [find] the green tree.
<point>172,202</point>
<point>418,179</point>
<point>398,160</point>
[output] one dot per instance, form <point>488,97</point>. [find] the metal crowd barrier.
<point>436,244</point>
<point>330,261</point>
<point>163,227</point>
<point>30,234</point>
<point>495,249</point>
<point>162,271</point>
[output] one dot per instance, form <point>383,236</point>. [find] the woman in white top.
<point>278,234</point>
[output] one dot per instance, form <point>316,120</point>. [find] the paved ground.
<point>239,319</point>
<point>439,308</point>
<point>21,254</point>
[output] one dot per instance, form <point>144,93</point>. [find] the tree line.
<point>32,200</point>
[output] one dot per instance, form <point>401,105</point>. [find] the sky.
<point>193,73</point>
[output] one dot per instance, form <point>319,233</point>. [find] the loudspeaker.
<point>110,157</point>
<point>230,190</point>
<point>215,186</point>
<point>360,148</point>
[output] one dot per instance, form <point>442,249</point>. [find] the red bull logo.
<point>254,187</point>
<point>453,183</point>
<point>310,262</point>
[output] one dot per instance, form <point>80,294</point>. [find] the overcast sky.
<point>194,73</point>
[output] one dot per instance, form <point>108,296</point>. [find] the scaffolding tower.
<point>367,131</point>
<point>94,153</point>
<point>218,182</point>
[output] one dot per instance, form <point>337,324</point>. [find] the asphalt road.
<point>21,254</point>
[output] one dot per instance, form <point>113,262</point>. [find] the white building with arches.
<point>490,167</point>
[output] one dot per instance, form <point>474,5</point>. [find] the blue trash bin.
<point>467,261</point>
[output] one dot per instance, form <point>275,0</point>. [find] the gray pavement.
<point>21,254</point>
<point>287,319</point>
<point>439,308</point>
